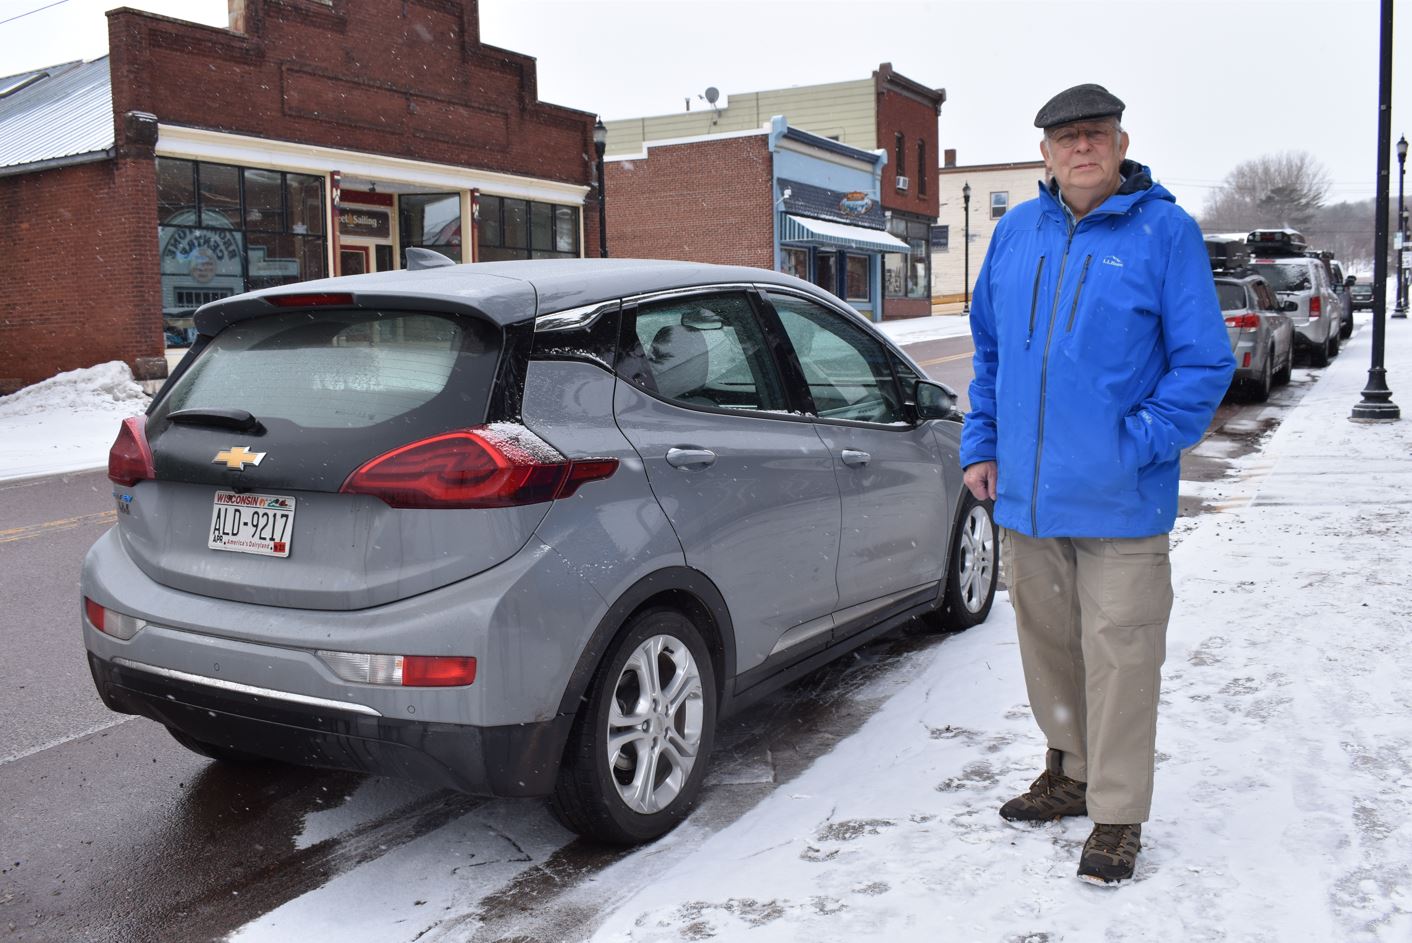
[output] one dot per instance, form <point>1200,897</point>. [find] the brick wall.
<point>407,78</point>
<point>80,271</point>
<point>904,112</point>
<point>707,201</point>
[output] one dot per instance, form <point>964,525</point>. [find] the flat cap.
<point>1079,103</point>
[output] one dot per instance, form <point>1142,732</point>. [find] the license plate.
<point>252,523</point>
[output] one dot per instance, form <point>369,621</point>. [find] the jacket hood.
<point>1138,187</point>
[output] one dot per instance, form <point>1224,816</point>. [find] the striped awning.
<point>818,232</point>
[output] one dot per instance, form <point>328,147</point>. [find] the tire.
<point>220,754</point>
<point>1333,344</point>
<point>658,671</point>
<point>1257,390</point>
<point>1346,330</point>
<point>1319,356</point>
<point>973,568</point>
<point>1285,373</point>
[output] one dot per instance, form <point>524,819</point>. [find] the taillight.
<point>1316,306</point>
<point>1243,320</point>
<point>312,299</point>
<point>408,671</point>
<point>1247,359</point>
<point>495,466</point>
<point>111,622</point>
<point>130,458</point>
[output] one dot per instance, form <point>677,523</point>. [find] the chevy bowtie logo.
<point>238,457</point>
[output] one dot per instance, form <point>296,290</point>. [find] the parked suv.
<point>523,528</point>
<point>1361,293</point>
<point>1262,337</point>
<point>1304,288</point>
<point>1342,286</point>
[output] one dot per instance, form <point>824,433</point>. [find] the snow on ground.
<point>1285,749</point>
<point>936,327</point>
<point>67,422</point>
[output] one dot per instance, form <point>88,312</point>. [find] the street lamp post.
<point>1401,311</point>
<point>600,144</point>
<point>1377,404</point>
<point>966,240</point>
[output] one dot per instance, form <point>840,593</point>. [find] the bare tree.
<point>1276,190</point>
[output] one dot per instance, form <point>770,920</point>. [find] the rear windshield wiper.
<point>236,419</point>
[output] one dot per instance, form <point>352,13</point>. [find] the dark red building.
<point>312,137</point>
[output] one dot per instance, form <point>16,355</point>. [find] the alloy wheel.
<point>655,723</point>
<point>977,564</point>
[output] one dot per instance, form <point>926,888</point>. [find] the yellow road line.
<point>39,530</point>
<point>932,363</point>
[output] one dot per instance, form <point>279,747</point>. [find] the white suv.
<point>1304,288</point>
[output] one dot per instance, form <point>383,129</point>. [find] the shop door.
<point>353,260</point>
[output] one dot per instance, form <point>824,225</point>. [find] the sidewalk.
<point>1285,746</point>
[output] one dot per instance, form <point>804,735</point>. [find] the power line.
<point>31,12</point>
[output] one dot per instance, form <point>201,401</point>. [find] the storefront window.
<point>431,221</point>
<point>264,200</point>
<point>225,230</point>
<point>795,262</point>
<point>908,275</point>
<point>522,229</point>
<point>856,278</point>
<point>219,189</point>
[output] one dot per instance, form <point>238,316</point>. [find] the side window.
<point>1267,300</point>
<point>703,350</point>
<point>847,370</point>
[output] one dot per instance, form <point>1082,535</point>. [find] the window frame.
<point>1003,204</point>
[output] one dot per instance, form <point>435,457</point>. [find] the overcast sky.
<point>1208,83</point>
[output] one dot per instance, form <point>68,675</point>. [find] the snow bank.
<point>67,422</point>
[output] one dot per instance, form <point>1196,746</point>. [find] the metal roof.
<point>54,116</point>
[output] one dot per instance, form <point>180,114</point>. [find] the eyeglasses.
<point>1098,136</point>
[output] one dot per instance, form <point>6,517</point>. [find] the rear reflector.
<point>408,671</point>
<point>1247,359</point>
<point>500,465</point>
<point>1243,320</point>
<point>130,458</point>
<point>119,625</point>
<point>312,299</point>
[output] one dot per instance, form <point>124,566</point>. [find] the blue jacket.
<point>1100,354</point>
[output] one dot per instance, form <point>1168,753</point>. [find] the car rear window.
<point>1232,296</point>
<point>1286,276</point>
<point>339,369</point>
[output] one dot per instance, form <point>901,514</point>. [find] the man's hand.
<point>980,478</point>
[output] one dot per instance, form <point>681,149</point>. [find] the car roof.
<point>505,292</point>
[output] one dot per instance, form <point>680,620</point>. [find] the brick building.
<point>715,199</point>
<point>311,137</point>
<point>886,113</point>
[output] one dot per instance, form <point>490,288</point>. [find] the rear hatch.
<point>1240,320</point>
<point>259,446</point>
<point>1292,280</point>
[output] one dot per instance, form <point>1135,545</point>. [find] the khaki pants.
<point>1092,616</point>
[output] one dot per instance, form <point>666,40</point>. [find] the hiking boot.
<point>1052,796</point>
<point>1110,853</point>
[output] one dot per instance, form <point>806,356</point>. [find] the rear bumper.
<point>514,760</point>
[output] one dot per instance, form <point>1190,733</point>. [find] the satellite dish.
<point>712,93</point>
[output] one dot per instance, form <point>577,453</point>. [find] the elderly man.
<point>1100,355</point>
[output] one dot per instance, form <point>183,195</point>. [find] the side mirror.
<point>935,401</point>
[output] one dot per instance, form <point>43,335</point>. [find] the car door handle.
<point>690,458</point>
<point>855,457</point>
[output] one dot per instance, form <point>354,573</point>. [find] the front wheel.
<point>637,751</point>
<point>971,574</point>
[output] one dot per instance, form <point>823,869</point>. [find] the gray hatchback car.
<point>522,528</point>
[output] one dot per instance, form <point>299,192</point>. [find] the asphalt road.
<point>112,832</point>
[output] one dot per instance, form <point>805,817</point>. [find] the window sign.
<point>941,238</point>
<point>364,221</point>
